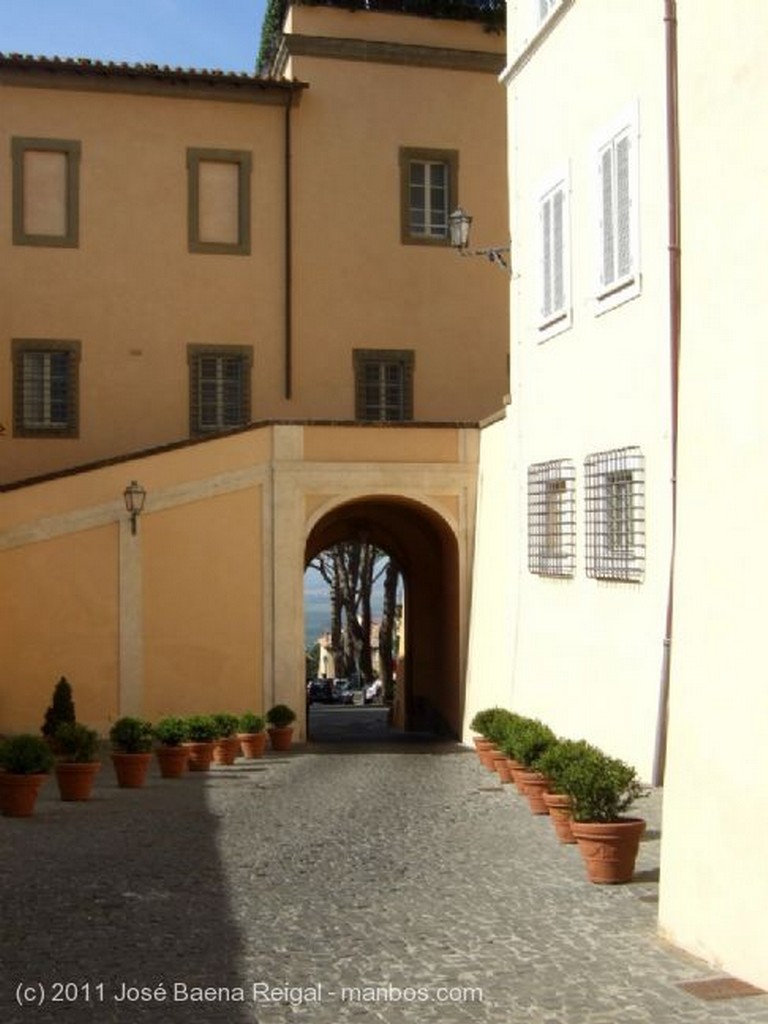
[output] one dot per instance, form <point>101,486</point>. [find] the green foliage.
<point>280,716</point>
<point>171,731</point>
<point>555,760</point>
<point>226,724</point>
<point>201,728</point>
<point>601,788</point>
<point>131,735</point>
<point>250,723</point>
<point>76,743</point>
<point>483,720</point>
<point>531,740</point>
<point>26,755</point>
<point>61,709</point>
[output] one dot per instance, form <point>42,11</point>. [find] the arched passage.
<point>426,550</point>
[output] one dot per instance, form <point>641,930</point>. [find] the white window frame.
<point>616,210</point>
<point>553,316</point>
<point>544,9</point>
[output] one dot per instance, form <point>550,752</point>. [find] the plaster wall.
<point>714,887</point>
<point>587,653</point>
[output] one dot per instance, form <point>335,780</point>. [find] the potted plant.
<point>482,723</point>
<point>226,746</point>
<point>511,746</point>
<point>279,719</point>
<point>253,739</point>
<point>201,733</point>
<point>172,757</point>
<point>78,763</point>
<point>554,763</point>
<point>27,761</point>
<point>132,750</point>
<point>532,739</point>
<point>601,789</point>
<point>60,710</point>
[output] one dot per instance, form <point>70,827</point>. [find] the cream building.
<point>616,574</point>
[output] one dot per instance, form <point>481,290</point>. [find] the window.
<point>617,211</point>
<point>219,201</point>
<point>45,192</point>
<point>219,388</point>
<point>552,518</point>
<point>545,8</point>
<point>615,514</point>
<point>554,300</point>
<point>45,387</point>
<point>383,384</point>
<point>428,194</point>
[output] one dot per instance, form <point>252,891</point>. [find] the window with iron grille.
<point>429,191</point>
<point>614,486</point>
<point>552,518</point>
<point>383,384</point>
<point>45,385</point>
<point>219,388</point>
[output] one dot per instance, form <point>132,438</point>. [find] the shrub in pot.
<point>201,733</point>
<point>170,733</point>
<point>601,789</point>
<point>554,763</point>
<point>251,734</point>
<point>511,746</point>
<point>27,761</point>
<point>60,710</point>
<point>280,728</point>
<point>78,762</point>
<point>488,724</point>
<point>226,745</point>
<point>532,740</point>
<point>131,740</point>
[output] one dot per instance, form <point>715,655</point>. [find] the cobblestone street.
<point>391,884</point>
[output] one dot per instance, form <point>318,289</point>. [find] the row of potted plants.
<point>584,791</point>
<point>72,750</point>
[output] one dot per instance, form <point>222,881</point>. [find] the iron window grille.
<point>552,518</point>
<point>615,514</point>
<point>46,388</point>
<point>220,389</point>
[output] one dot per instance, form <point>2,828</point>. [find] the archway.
<point>429,696</point>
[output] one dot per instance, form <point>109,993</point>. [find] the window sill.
<point>554,325</point>
<point>624,291</point>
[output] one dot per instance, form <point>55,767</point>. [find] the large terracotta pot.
<point>18,794</point>
<point>253,744</point>
<point>487,754</point>
<point>518,771</point>
<point>131,769</point>
<point>535,786</point>
<point>501,767</point>
<point>280,739</point>
<point>609,849</point>
<point>226,750</point>
<point>172,760</point>
<point>200,755</point>
<point>559,807</point>
<point>75,780</point>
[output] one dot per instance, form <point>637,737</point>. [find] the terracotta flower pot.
<point>280,739</point>
<point>609,849</point>
<point>172,761</point>
<point>559,806</point>
<point>501,767</point>
<point>486,755</point>
<point>131,769</point>
<point>226,750</point>
<point>253,744</point>
<point>535,785</point>
<point>76,779</point>
<point>18,794</point>
<point>517,771</point>
<point>199,755</point>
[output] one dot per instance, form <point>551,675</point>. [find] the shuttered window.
<point>618,230</point>
<point>545,7</point>
<point>45,388</point>
<point>220,389</point>
<point>383,385</point>
<point>552,215</point>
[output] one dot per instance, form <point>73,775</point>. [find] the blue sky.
<point>221,34</point>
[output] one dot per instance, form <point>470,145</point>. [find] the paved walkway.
<point>393,886</point>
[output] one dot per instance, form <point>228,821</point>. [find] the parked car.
<point>343,691</point>
<point>320,691</point>
<point>373,691</point>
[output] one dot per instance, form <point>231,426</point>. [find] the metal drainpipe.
<point>288,313</point>
<point>673,188</point>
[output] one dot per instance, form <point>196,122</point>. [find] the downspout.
<point>288,247</point>
<point>673,190</point>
